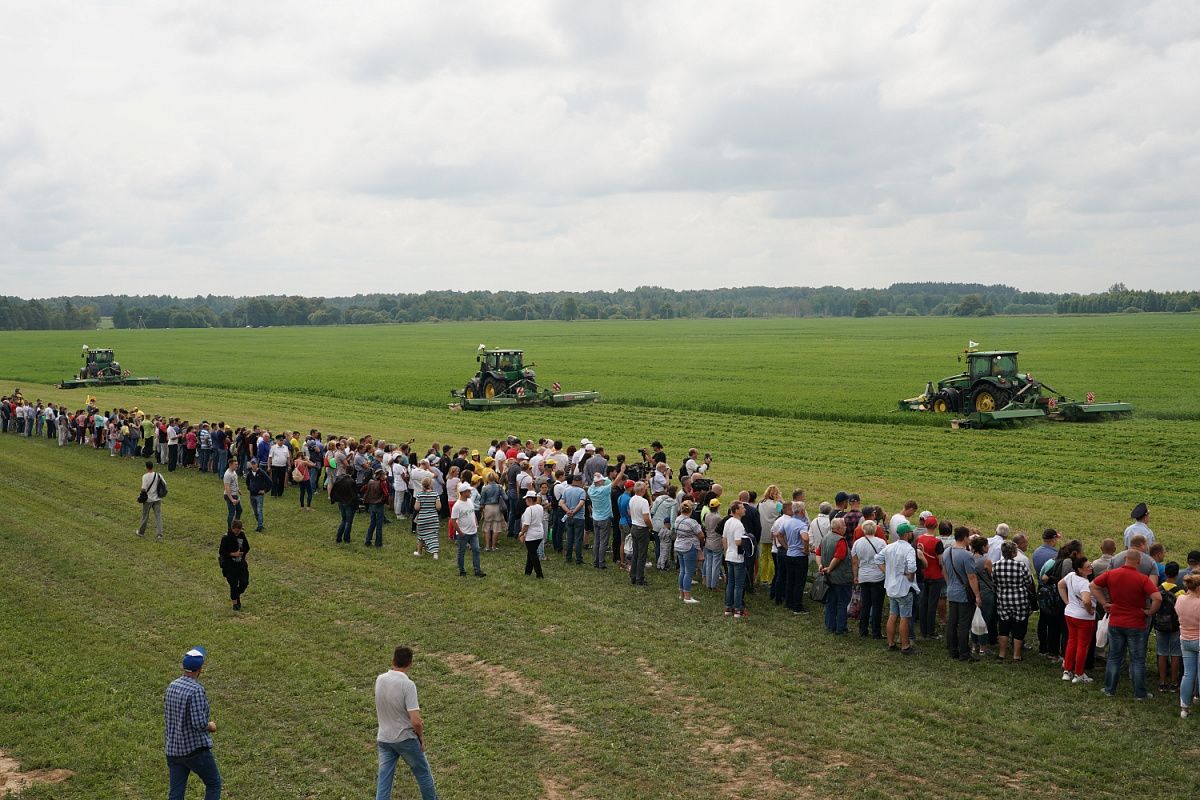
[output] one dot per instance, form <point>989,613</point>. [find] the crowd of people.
<point>904,578</point>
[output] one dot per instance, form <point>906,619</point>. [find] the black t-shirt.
<point>659,458</point>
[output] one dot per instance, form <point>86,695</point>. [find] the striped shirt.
<point>185,712</point>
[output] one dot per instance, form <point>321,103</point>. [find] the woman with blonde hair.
<point>769,509</point>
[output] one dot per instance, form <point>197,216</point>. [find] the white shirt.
<point>866,549</point>
<point>896,521</point>
<point>993,554</point>
<point>637,507</point>
<point>1136,528</point>
<point>415,476</point>
<point>395,697</point>
<point>279,455</point>
<point>691,467</point>
<point>898,560</point>
<point>1075,587</point>
<point>399,475</point>
<point>733,532</point>
<point>533,517</point>
<point>464,516</point>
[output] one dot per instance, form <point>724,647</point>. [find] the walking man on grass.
<point>401,728</point>
<point>154,489</point>
<point>188,731</point>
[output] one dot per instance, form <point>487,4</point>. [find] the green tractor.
<point>505,380</point>
<point>500,371</point>
<point>100,368</point>
<point>993,392</point>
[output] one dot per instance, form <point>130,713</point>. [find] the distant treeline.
<point>647,302</point>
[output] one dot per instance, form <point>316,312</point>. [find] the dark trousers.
<point>235,512</point>
<point>348,510</point>
<point>641,543</point>
<point>200,762</point>
<point>575,539</point>
<point>795,570</point>
<point>375,525</point>
<point>836,601</point>
<point>928,601</point>
<point>172,457</point>
<point>532,562</point>
<point>779,581</point>
<point>514,516</point>
<point>958,629</point>
<point>238,576</point>
<point>870,614</point>
<point>1052,634</point>
<point>278,480</point>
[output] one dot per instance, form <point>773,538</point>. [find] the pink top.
<point>1187,607</point>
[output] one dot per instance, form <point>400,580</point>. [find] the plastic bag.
<point>979,624</point>
<point>628,544</point>
<point>854,607</point>
<point>1102,633</point>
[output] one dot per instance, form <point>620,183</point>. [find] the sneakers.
<point>481,574</point>
<point>909,651</point>
<point>737,615</point>
<point>691,601</point>
<point>416,553</point>
<point>892,647</point>
<point>140,533</point>
<point>729,612</point>
<point>462,573</point>
<point>744,613</point>
<point>435,555</point>
<point>1183,712</point>
<point>1067,676</point>
<point>1147,696</point>
<point>1082,679</point>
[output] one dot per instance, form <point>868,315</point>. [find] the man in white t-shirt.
<point>910,508</point>
<point>869,578</point>
<point>996,541</point>
<point>735,563</point>
<point>401,728</point>
<point>463,514</point>
<point>640,526</point>
<point>279,458</point>
<point>533,530</point>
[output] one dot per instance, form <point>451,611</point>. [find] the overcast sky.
<point>332,148</point>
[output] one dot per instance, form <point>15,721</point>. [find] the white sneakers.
<point>1082,679</point>
<point>1067,676</point>
<point>416,553</point>
<point>691,600</point>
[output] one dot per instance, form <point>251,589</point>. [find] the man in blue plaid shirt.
<point>188,743</point>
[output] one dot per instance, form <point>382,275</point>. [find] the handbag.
<point>142,496</point>
<point>297,476</point>
<point>854,607</point>
<point>819,589</point>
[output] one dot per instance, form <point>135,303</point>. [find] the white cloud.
<point>320,149</point>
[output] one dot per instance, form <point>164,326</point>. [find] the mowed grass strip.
<point>578,685</point>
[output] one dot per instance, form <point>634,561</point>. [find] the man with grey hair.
<point>996,541</point>
<point>835,566</point>
<point>640,526</point>
<point>1022,542</point>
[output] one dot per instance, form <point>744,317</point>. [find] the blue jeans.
<point>306,489</point>
<point>222,462</point>
<point>514,516</point>
<point>256,503</point>
<point>836,601</point>
<point>466,540</point>
<point>1191,660</point>
<point>687,568</point>
<point>347,523</point>
<point>410,751</point>
<point>200,762</point>
<point>235,512</point>
<point>375,526</point>
<point>735,585</point>
<point>575,539</point>
<point>204,456</point>
<point>1120,640</point>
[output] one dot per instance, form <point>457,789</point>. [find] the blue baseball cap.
<point>194,659</point>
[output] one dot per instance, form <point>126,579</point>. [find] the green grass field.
<point>579,686</point>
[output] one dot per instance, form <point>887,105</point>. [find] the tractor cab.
<point>502,360</point>
<point>992,365</point>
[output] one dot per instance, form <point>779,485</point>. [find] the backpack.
<point>1049,600</point>
<point>1165,619</point>
<point>162,488</point>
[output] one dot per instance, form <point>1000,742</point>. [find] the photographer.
<point>693,467</point>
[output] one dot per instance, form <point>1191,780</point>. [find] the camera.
<point>645,454</point>
<point>708,456</point>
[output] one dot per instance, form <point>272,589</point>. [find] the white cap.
<point>589,448</point>
<point>925,514</point>
<point>597,478</point>
<point>463,487</point>
<point>530,494</point>
<point>585,441</point>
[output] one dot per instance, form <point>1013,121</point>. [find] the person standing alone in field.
<point>188,731</point>
<point>401,728</point>
<point>233,551</point>
<point>154,489</point>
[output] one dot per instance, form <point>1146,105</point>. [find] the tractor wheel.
<point>988,399</point>
<point>492,387</point>
<point>940,404</point>
<point>471,391</point>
